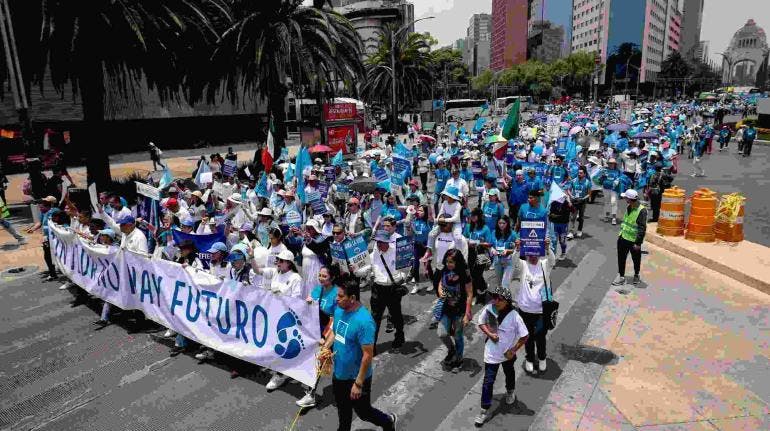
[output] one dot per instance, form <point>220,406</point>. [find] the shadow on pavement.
<point>589,354</point>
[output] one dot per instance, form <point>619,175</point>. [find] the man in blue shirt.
<point>532,210</point>
<point>353,343</point>
<point>517,196</point>
<point>442,176</point>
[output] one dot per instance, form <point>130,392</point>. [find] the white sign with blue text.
<point>248,323</point>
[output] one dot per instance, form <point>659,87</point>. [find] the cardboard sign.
<point>353,251</point>
<point>147,190</point>
<point>533,237</point>
<point>330,174</point>
<point>323,188</point>
<point>229,168</point>
<point>380,174</point>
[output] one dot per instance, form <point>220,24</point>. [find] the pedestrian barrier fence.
<point>671,217</point>
<point>700,226</point>
<point>729,218</point>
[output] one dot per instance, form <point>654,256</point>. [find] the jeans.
<point>105,316</point>
<point>48,259</point>
<point>624,247</point>
<point>362,406</point>
<point>578,214</point>
<point>536,327</point>
<point>419,252</point>
<point>11,230</point>
<point>747,147</point>
<point>655,200</point>
<point>697,166</point>
<point>513,213</point>
<point>385,297</point>
<point>450,331</point>
<point>490,375</point>
<point>559,232</point>
<point>504,271</point>
<point>610,203</point>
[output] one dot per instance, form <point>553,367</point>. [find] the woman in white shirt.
<point>506,333</point>
<point>535,279</point>
<point>284,280</point>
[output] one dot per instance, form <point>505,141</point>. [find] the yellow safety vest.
<point>4,212</point>
<point>629,229</point>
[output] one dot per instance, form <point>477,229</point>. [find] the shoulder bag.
<point>550,306</point>
<point>398,288</point>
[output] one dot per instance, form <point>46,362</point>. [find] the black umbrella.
<point>363,185</point>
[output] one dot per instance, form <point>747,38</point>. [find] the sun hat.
<point>504,293</point>
<point>493,192</point>
<point>246,227</point>
<point>285,255</point>
<point>188,222</point>
<point>314,224</point>
<point>451,192</point>
<point>109,232</point>
<point>218,247</point>
<point>267,212</point>
<point>382,236</point>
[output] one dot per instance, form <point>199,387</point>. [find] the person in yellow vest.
<point>5,214</point>
<point>631,236</point>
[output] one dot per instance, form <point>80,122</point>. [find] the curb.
<point>735,274</point>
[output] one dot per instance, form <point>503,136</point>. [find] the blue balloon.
<point>432,158</point>
<point>538,150</point>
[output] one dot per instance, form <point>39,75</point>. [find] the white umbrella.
<point>574,130</point>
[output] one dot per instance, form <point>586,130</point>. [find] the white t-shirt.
<point>509,332</point>
<point>272,254</point>
<point>531,291</point>
<point>287,284</point>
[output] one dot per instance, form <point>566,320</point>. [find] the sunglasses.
<point>337,232</point>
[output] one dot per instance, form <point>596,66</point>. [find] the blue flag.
<point>166,179</point>
<point>385,184</point>
<point>262,186</point>
<point>303,161</point>
<point>202,242</point>
<point>338,160</point>
<point>401,150</point>
<point>202,169</point>
<point>288,177</point>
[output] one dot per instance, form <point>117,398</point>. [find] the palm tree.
<point>274,46</point>
<point>413,68</point>
<point>106,45</point>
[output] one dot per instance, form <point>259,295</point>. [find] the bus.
<point>465,109</point>
<point>503,104</point>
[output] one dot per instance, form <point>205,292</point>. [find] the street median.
<point>745,262</point>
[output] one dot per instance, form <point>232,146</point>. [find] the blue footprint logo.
<point>290,341</point>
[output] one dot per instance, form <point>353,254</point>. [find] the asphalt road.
<point>57,372</point>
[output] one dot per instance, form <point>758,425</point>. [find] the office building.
<point>556,12</point>
<point>370,18</point>
<point>546,41</point>
<point>477,43</point>
<point>509,33</point>
<point>701,52</point>
<point>692,18</point>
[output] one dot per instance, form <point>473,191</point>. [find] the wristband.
<point>357,385</point>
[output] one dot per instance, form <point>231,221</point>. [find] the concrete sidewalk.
<point>686,350</point>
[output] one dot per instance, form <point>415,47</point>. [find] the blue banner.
<point>330,174</point>
<point>380,174</point>
<point>402,168</point>
<point>323,188</point>
<point>404,252</point>
<point>202,242</point>
<point>533,237</point>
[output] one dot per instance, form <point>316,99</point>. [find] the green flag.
<point>511,129</point>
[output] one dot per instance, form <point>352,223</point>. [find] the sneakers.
<point>50,278</point>
<point>529,367</point>
<point>614,221</point>
<point>481,417</point>
<point>205,355</point>
<point>430,288</point>
<point>619,280</point>
<point>414,290</point>
<point>176,350</point>
<point>275,382</point>
<point>100,323</point>
<point>637,280</point>
<point>541,365</point>
<point>398,342</point>
<point>433,324</point>
<point>234,374</point>
<point>389,327</point>
<point>447,361</point>
<point>579,234</point>
<point>563,255</point>
<point>169,333</point>
<point>570,235</point>
<point>307,401</point>
<point>65,286</point>
<point>510,397</point>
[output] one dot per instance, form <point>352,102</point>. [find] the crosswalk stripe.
<point>400,397</point>
<point>567,295</point>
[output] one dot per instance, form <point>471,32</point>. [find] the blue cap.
<point>236,255</point>
<point>218,246</point>
<point>128,219</point>
<point>188,222</point>
<point>109,232</point>
<point>382,236</point>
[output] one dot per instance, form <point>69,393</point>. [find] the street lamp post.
<point>729,67</point>
<point>393,35</point>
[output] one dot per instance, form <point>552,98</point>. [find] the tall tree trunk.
<point>94,143</point>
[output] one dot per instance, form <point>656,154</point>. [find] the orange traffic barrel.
<point>671,217</point>
<point>703,209</point>
<point>729,219</point>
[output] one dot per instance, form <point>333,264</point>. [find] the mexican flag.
<point>268,153</point>
<point>511,129</point>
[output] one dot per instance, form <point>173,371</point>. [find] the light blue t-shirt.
<point>327,301</point>
<point>351,331</point>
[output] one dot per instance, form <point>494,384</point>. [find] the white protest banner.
<point>249,323</point>
<point>247,172</point>
<point>207,177</point>
<point>147,190</point>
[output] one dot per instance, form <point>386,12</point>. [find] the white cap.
<point>630,194</point>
